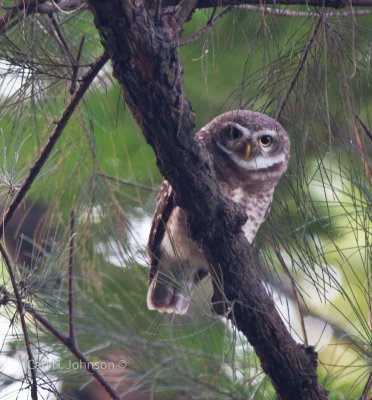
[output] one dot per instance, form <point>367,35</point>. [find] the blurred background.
<point>311,73</point>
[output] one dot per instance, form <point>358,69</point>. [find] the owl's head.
<point>247,146</point>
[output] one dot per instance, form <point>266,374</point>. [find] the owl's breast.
<point>257,207</point>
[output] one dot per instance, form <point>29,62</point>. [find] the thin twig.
<point>56,31</point>
<point>128,183</point>
<point>74,350</point>
<point>20,310</point>
<point>300,67</point>
<point>75,67</point>
<point>314,3</point>
<point>282,12</point>
<point>185,10</point>
<point>210,24</point>
<point>39,163</point>
<point>65,340</point>
<point>358,135</point>
<point>364,126</point>
<point>367,389</point>
<point>37,7</point>
<point>70,298</point>
<point>295,295</point>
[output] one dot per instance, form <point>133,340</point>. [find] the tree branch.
<point>43,156</point>
<point>300,67</point>
<point>313,3</point>
<point>70,293</point>
<point>21,313</point>
<point>65,340</point>
<point>27,7</point>
<point>144,55</point>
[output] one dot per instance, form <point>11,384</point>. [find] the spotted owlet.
<point>249,152</point>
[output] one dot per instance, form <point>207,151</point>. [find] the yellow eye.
<point>265,141</point>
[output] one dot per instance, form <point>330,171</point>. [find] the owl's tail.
<point>165,298</point>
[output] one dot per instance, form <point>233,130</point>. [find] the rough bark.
<point>143,51</point>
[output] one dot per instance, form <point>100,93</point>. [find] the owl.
<point>249,153</point>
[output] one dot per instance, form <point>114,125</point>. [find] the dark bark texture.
<point>143,50</point>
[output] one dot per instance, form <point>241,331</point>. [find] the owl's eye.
<point>265,141</point>
<point>233,133</point>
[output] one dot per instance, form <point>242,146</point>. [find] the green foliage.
<point>318,237</point>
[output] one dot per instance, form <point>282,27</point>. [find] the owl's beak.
<point>247,151</point>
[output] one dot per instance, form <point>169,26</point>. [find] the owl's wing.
<point>165,205</point>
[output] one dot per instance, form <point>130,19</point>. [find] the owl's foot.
<point>163,297</point>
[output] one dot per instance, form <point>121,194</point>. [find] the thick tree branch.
<point>143,51</point>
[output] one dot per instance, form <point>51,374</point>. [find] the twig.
<point>37,7</point>
<point>314,3</point>
<point>210,24</point>
<point>70,298</point>
<point>185,10</point>
<point>281,12</point>
<point>300,67</point>
<point>39,163</point>
<point>295,295</point>
<point>74,350</point>
<point>356,122</point>
<point>75,67</point>
<point>126,182</point>
<point>56,31</point>
<point>364,126</point>
<point>20,310</point>
<point>367,389</point>
<point>65,340</point>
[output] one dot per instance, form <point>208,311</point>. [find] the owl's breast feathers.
<point>257,207</point>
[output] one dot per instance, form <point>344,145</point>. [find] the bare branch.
<point>27,7</point>
<point>367,389</point>
<point>210,24</point>
<point>128,183</point>
<point>74,350</point>
<point>21,312</point>
<point>70,294</point>
<point>313,3</point>
<point>282,12</point>
<point>43,156</point>
<point>300,67</point>
<point>185,10</point>
<point>364,126</point>
<point>65,340</point>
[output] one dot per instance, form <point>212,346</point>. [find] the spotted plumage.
<point>249,152</point>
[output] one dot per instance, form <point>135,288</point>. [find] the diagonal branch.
<point>21,313</point>
<point>86,81</point>
<point>313,3</point>
<point>145,61</point>
<point>65,340</point>
<point>28,7</point>
<point>70,290</point>
<point>299,68</point>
